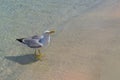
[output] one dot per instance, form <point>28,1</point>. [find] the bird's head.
<point>49,32</point>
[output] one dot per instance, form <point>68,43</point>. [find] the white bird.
<point>37,42</point>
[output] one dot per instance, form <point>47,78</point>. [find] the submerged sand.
<point>88,48</point>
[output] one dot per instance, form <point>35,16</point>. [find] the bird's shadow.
<point>22,59</point>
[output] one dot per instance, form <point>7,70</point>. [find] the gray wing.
<point>33,43</point>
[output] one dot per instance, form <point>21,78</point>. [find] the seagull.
<point>37,42</point>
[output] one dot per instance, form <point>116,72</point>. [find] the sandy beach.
<point>87,48</point>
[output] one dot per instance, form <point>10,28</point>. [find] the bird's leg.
<point>38,55</point>
<point>35,53</point>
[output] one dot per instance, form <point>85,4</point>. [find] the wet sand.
<point>88,48</point>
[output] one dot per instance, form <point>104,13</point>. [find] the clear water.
<point>21,18</point>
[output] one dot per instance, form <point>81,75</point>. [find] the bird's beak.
<point>52,32</point>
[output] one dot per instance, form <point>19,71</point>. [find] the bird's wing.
<point>32,42</point>
<point>37,37</point>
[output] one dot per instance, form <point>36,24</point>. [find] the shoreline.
<point>85,48</point>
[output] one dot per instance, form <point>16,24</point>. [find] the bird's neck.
<point>46,39</point>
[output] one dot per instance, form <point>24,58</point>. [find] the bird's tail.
<point>20,40</point>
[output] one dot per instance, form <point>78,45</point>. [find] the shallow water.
<point>21,18</point>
